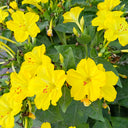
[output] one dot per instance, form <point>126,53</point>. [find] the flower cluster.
<point>36,77</point>
<point>116,26</point>
<point>42,81</point>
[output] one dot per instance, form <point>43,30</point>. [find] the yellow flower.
<point>108,4</point>
<point>3,15</point>
<point>89,81</point>
<point>33,2</point>
<point>73,16</point>
<point>44,1</point>
<point>8,109</point>
<point>104,15</point>
<point>23,25</point>
<point>72,127</point>
<point>47,86</point>
<point>46,125</point>
<point>35,58</point>
<point>14,5</point>
<point>117,28</point>
<point>19,85</point>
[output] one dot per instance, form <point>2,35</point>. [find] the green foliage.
<point>69,112</point>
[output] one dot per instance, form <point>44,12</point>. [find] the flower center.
<point>45,90</point>
<point>18,90</point>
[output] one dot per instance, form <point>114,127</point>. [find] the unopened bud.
<point>75,32</point>
<point>61,58</point>
<point>31,115</point>
<point>49,32</point>
<point>82,23</point>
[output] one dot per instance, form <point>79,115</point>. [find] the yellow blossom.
<point>44,1</point>
<point>47,86</point>
<point>8,109</point>
<point>19,85</point>
<point>90,81</point>
<point>23,25</point>
<point>108,4</point>
<point>3,15</point>
<point>14,5</point>
<point>73,16</point>
<point>35,3</point>
<point>104,15</point>
<point>35,58</point>
<point>72,127</point>
<point>46,125</point>
<point>117,29</point>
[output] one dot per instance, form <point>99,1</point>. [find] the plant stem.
<point>86,51</point>
<point>106,44</point>
<point>4,38</point>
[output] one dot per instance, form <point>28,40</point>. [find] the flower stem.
<point>4,38</point>
<point>106,44</point>
<point>86,51</point>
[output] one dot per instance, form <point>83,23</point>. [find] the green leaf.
<point>84,39</point>
<point>119,122</point>
<point>36,123</point>
<point>51,115</point>
<point>43,40</point>
<point>75,114</point>
<point>42,25</point>
<point>78,51</point>
<point>122,93</point>
<point>100,124</point>
<point>67,53</point>
<point>93,52</point>
<point>84,125</point>
<point>7,34</point>
<point>30,122</point>
<point>109,67</point>
<point>52,53</point>
<point>65,99</point>
<point>67,28</point>
<point>60,124</point>
<point>94,111</point>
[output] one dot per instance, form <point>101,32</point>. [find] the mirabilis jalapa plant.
<point>56,82</point>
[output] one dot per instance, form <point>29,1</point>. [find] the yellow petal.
<point>46,125</point>
<point>21,35</point>
<point>42,101</point>
<point>108,93</point>
<point>111,78</point>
